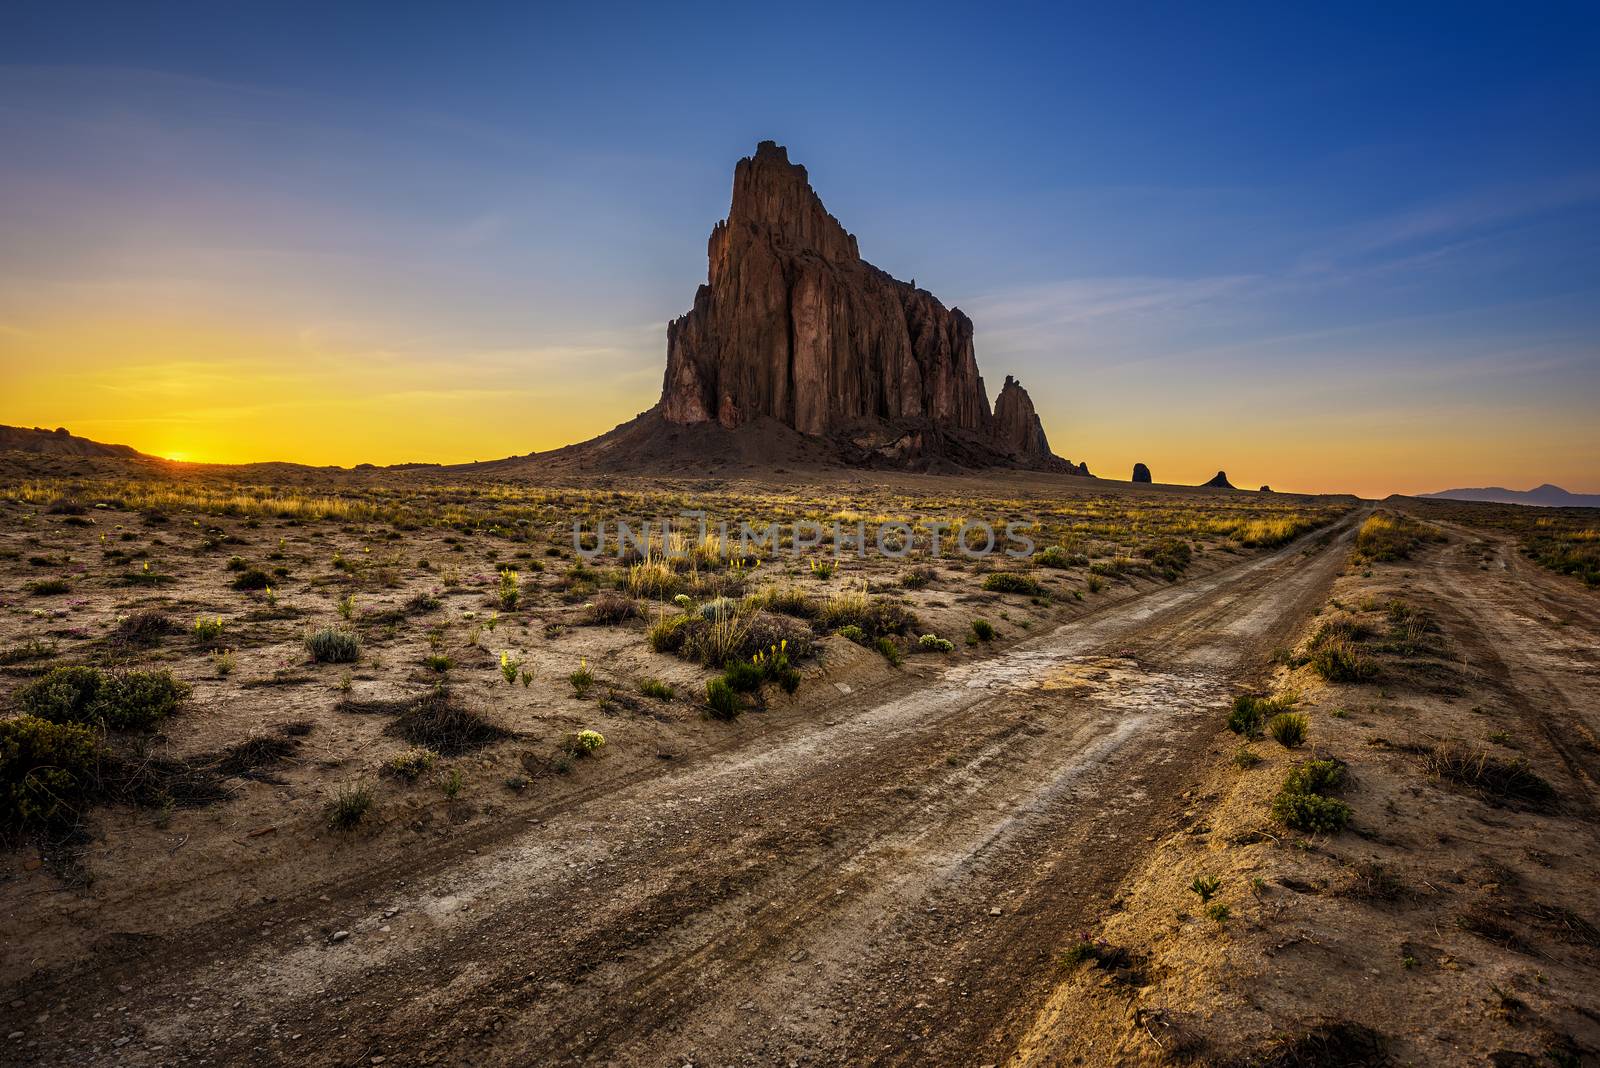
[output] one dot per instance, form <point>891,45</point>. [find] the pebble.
<point>339,936</point>
<point>13,1036</point>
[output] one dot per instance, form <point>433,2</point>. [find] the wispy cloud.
<point>1446,222</point>
<point>1081,301</point>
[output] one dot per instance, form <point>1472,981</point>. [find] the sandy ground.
<point>885,869</point>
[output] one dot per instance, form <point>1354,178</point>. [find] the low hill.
<point>57,442</point>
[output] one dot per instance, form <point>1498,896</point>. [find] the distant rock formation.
<point>1220,480</point>
<point>1266,489</point>
<point>1141,473</point>
<point>57,442</point>
<point>1545,496</point>
<point>794,326</point>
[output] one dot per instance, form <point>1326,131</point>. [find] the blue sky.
<point>1355,248</point>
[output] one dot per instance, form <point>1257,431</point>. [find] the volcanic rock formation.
<point>1141,473</point>
<point>794,326</point>
<point>1220,480</point>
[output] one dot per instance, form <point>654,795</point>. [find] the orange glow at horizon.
<point>214,394</point>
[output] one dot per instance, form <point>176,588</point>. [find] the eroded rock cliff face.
<point>793,325</point>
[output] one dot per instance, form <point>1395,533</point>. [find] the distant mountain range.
<point>1545,496</point>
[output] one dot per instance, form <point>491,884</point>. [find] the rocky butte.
<point>793,327</point>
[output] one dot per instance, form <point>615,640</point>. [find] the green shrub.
<point>1250,713</point>
<point>722,699</point>
<point>666,634</point>
<point>932,643</point>
<point>582,679</point>
<point>1311,813</point>
<point>851,632</point>
<point>1010,582</point>
<point>1300,803</point>
<point>743,676</point>
<point>140,700</point>
<point>656,688</point>
<point>587,743</point>
<point>49,587</point>
<point>718,608</point>
<point>208,630</point>
<point>135,700</point>
<point>412,764</point>
<point>510,589</point>
<point>789,600</point>
<point>1338,660</point>
<point>1057,557</point>
<point>349,806</point>
<point>773,663</point>
<point>252,579</point>
<point>1288,729</point>
<point>1206,886</point>
<point>32,649</point>
<point>1387,537</point>
<point>983,630</point>
<point>1171,557</point>
<point>1315,777</point>
<point>48,772</point>
<point>873,616</point>
<point>1244,759</point>
<point>889,650</point>
<point>329,645</point>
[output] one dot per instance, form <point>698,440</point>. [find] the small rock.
<point>994,911</point>
<point>339,936</point>
<point>13,1036</point>
<point>120,1042</point>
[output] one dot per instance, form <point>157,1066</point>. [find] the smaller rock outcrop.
<point>1266,489</point>
<point>1141,473</point>
<point>1220,481</point>
<point>1017,428</point>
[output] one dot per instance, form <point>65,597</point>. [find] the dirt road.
<point>1530,634</point>
<point>887,882</point>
